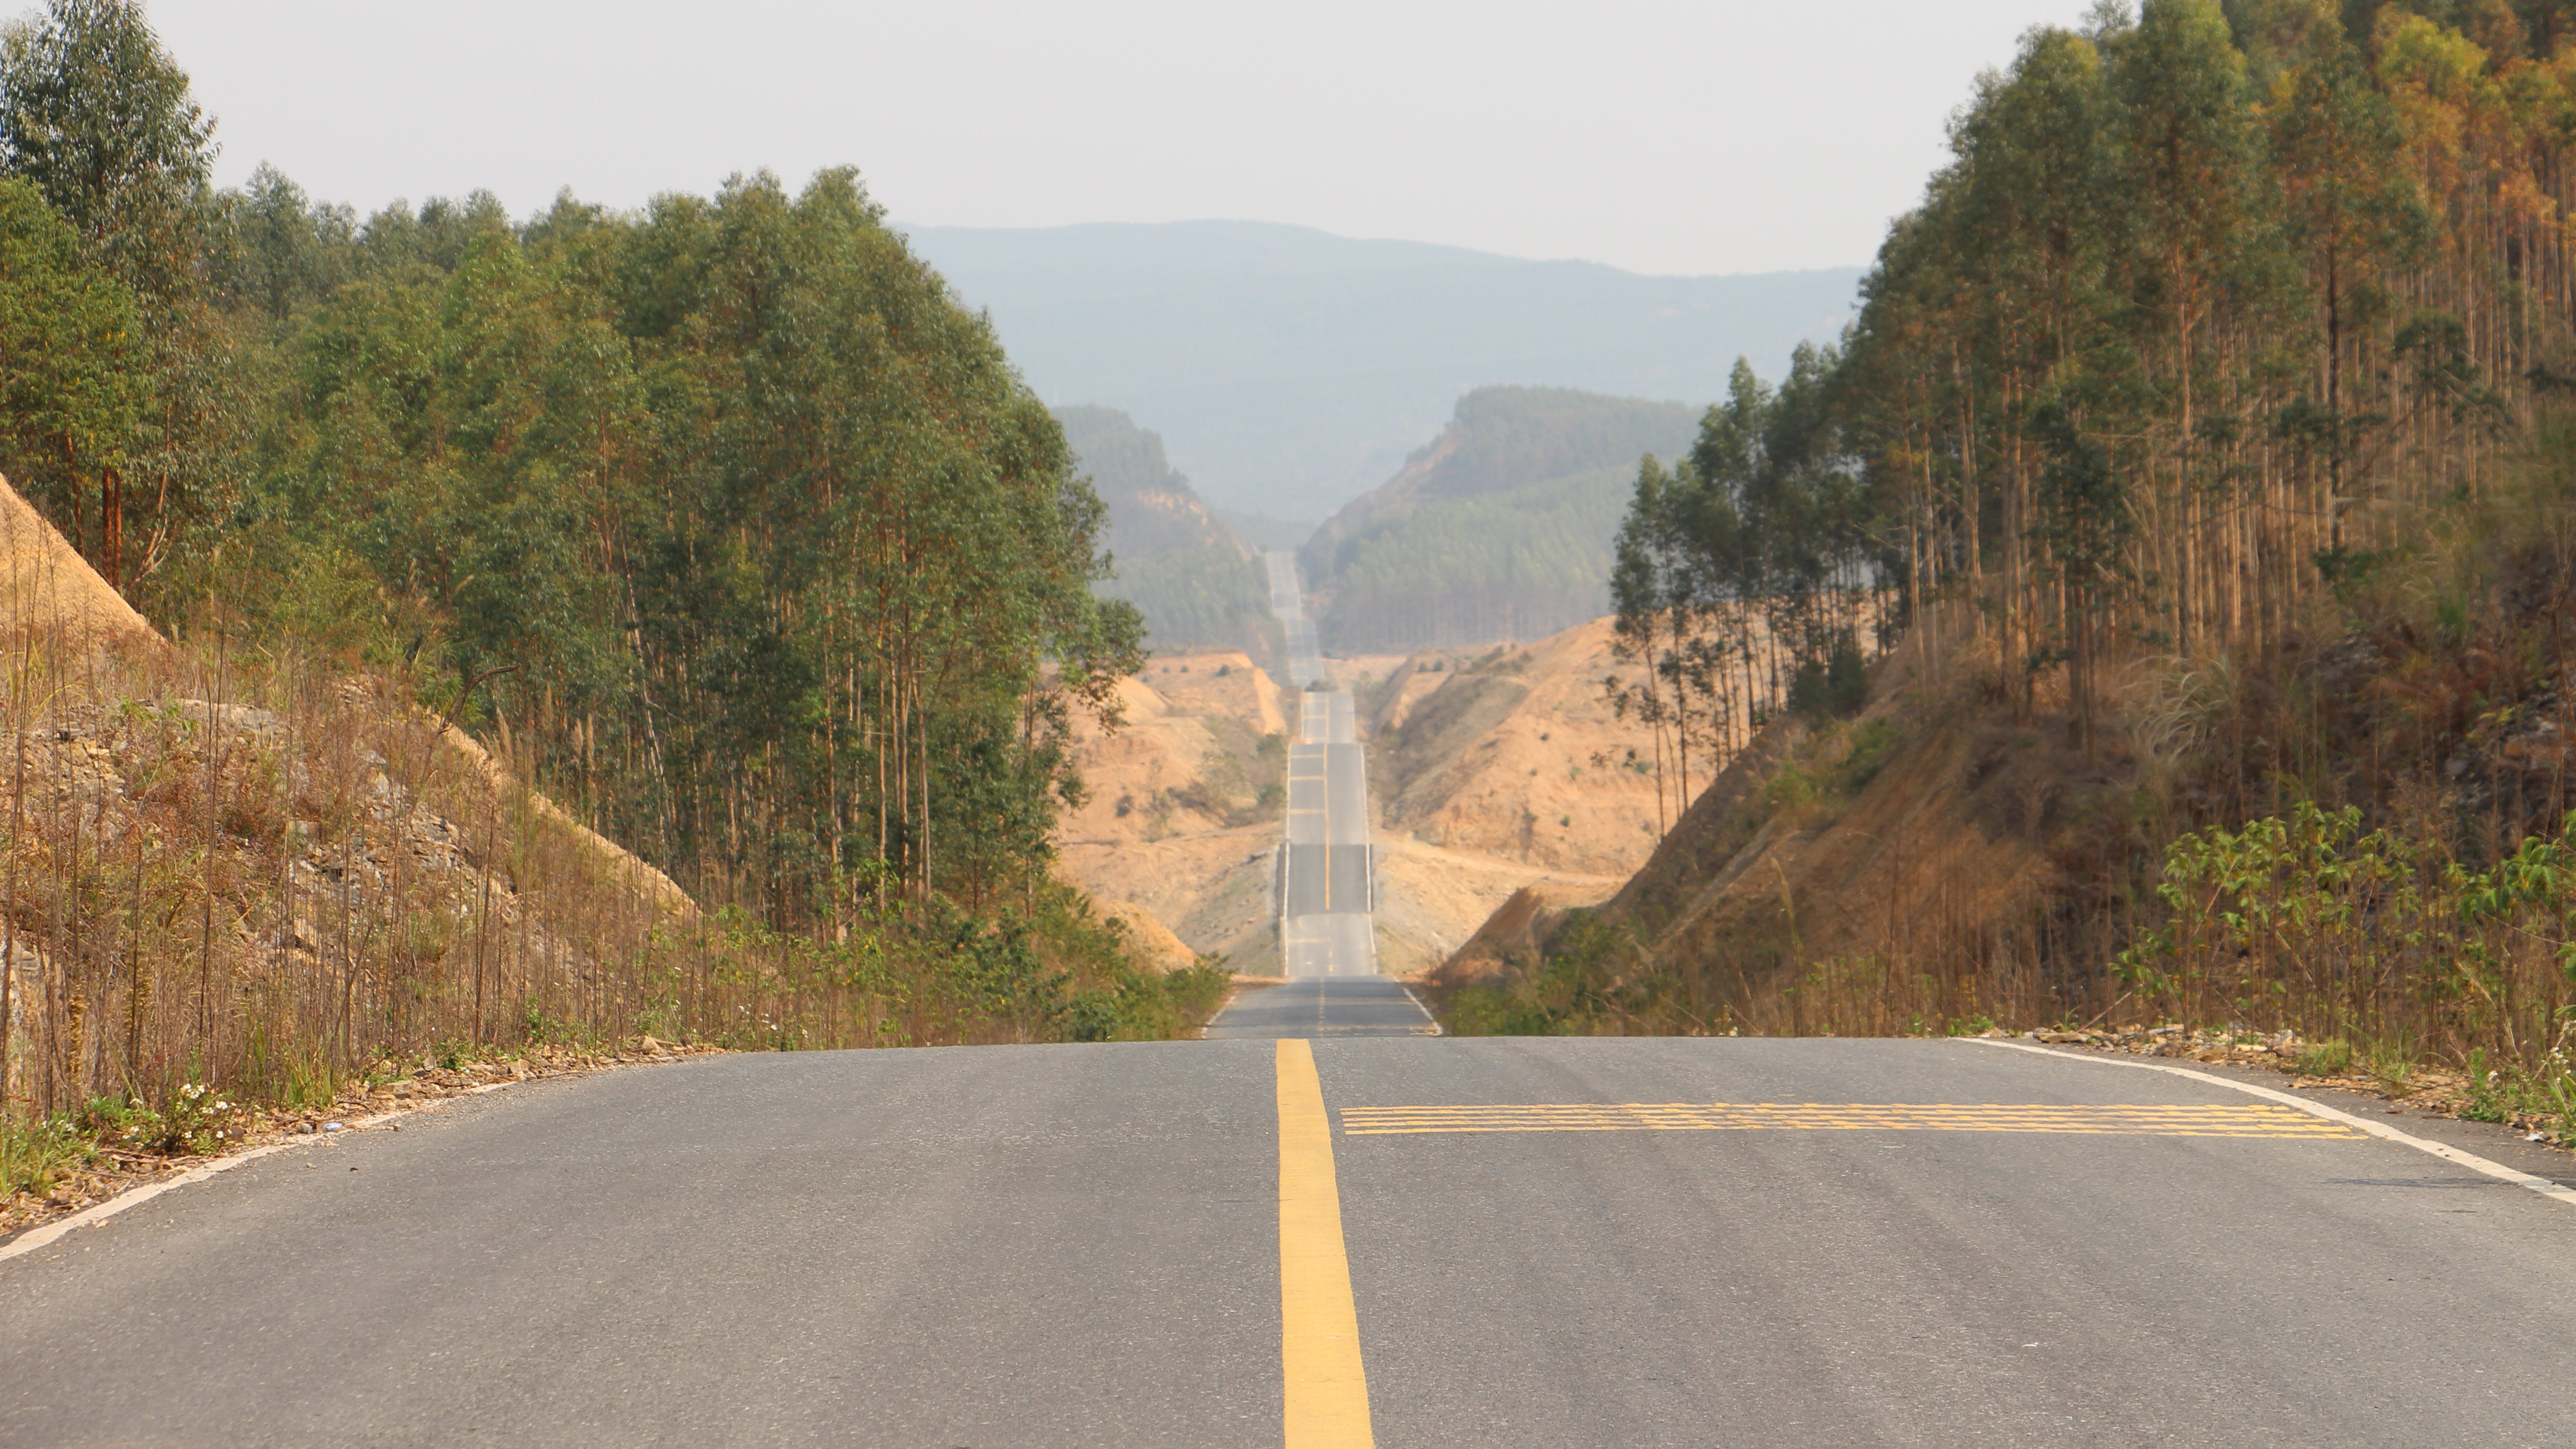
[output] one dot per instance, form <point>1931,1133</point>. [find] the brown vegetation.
<point>2357,836</point>
<point>264,875</point>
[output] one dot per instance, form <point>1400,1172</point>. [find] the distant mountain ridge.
<point>1289,369</point>
<point>1500,528</point>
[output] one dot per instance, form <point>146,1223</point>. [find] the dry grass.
<point>265,878</point>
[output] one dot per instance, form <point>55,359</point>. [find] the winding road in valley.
<point>1328,1239</point>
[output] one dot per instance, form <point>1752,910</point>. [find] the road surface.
<point>1287,604</point>
<point>1325,1006</point>
<point>1328,883</point>
<point>1087,1245</point>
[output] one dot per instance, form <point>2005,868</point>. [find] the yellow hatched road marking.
<point>2120,1119</point>
<point>1326,1398</point>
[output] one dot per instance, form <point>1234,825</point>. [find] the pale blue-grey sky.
<point>1663,136</point>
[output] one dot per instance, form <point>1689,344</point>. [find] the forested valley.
<point>2198,476</point>
<point>721,523</point>
<point>1498,529</point>
<point>1191,577</point>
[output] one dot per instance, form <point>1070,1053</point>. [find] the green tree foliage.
<point>722,520</point>
<point>70,385</point>
<point>739,530</point>
<point>96,116</point>
<point>1745,573</point>
<point>2207,303</point>
<point>1187,572</point>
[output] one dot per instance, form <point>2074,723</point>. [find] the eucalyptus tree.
<point>98,116</point>
<point>70,387</point>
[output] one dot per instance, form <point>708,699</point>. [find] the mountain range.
<point>1289,370</point>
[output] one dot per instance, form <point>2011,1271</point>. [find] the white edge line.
<point>34,1238</point>
<point>2558,1192</point>
<point>1418,1006</point>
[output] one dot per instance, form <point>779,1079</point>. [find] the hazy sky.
<point>1702,137</point>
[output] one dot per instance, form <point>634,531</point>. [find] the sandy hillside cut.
<point>46,585</point>
<point>1184,807</point>
<point>1514,754</point>
<point>1492,772</point>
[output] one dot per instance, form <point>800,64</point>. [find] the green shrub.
<point>2326,1059</point>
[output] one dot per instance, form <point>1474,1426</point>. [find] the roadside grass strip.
<point>2120,1120</point>
<point>134,1197</point>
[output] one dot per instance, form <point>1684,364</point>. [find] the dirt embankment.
<point>1928,822</point>
<point>1491,772</point>
<point>1175,836</point>
<point>45,585</point>
<point>1513,753</point>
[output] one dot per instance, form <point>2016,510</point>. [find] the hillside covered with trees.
<point>1290,370</point>
<point>1499,528</point>
<point>1196,583</point>
<point>2204,435</point>
<point>721,522</point>
<point>725,513</point>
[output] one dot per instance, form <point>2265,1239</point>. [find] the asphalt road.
<point>1083,1245</point>
<point>1323,1006</point>
<point>1328,893</point>
<point>1287,604</point>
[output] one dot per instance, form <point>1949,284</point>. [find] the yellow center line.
<point>2116,1119</point>
<point>1326,1398</point>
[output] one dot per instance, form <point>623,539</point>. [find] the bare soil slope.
<point>1514,754</point>
<point>1491,773</point>
<point>46,585</point>
<point>1184,806</point>
<point>1934,822</point>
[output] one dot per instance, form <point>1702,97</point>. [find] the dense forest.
<point>2199,467</point>
<point>1500,528</point>
<point>724,518</point>
<point>1184,569</point>
<point>2211,303</point>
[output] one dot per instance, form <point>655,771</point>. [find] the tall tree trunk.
<point>111,529</point>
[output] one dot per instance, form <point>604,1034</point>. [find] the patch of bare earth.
<point>1491,771</point>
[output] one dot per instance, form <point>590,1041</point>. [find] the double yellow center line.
<point>2260,1119</point>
